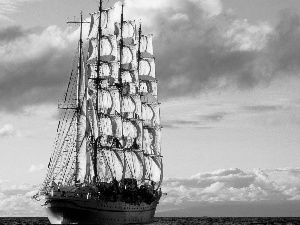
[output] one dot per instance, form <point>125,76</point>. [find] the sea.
<point>175,220</point>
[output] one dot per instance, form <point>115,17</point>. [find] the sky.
<point>228,74</point>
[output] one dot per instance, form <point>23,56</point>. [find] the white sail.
<point>148,87</point>
<point>130,77</point>
<point>115,96</point>
<point>129,133</point>
<point>152,141</point>
<point>105,127</point>
<point>129,32</point>
<point>119,164</point>
<point>111,167</point>
<point>129,58</point>
<point>146,45</point>
<point>139,132</point>
<point>156,115</point>
<point>108,49</point>
<point>107,23</point>
<point>147,114</point>
<point>105,101</point>
<point>153,169</point>
<point>117,128</point>
<point>106,70</point>
<point>126,77</point>
<point>147,67</point>
<point>81,128</point>
<point>103,168</point>
<point>134,166</point>
<point>128,107</point>
<point>109,127</point>
<point>138,106</point>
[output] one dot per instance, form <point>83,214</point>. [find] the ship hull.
<point>88,211</point>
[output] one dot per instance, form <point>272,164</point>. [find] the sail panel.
<point>134,166</point>
<point>107,23</point>
<point>129,32</point>
<point>126,77</point>
<point>105,126</point>
<point>147,67</point>
<point>129,76</point>
<point>128,107</point>
<point>153,166</point>
<point>146,45</point>
<point>129,133</point>
<point>105,101</point>
<point>152,141</point>
<point>115,95</point>
<point>129,58</point>
<point>147,114</point>
<point>107,70</point>
<point>148,87</point>
<point>108,49</point>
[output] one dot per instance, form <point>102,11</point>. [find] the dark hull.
<point>87,211</point>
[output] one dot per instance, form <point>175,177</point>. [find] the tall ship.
<point>106,165</point>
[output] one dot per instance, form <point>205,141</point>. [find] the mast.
<point>121,86</point>
<point>97,84</point>
<point>79,103</point>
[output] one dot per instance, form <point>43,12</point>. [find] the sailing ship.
<point>106,166</point>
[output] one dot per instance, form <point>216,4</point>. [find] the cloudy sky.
<point>229,85</point>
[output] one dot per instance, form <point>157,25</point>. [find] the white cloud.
<point>36,168</point>
<point>16,200</point>
<point>213,188</point>
<point>211,7</point>
<point>8,7</point>
<point>244,36</point>
<point>7,131</point>
<point>232,185</point>
<point>216,187</point>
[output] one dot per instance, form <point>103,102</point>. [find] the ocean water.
<point>175,220</point>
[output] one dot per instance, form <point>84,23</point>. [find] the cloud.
<point>34,168</point>
<point>35,66</point>
<point>232,186</point>
<point>16,201</point>
<point>8,7</point>
<point>263,108</point>
<point>214,191</point>
<point>214,117</point>
<point>8,131</point>
<point>201,121</point>
<point>198,47</point>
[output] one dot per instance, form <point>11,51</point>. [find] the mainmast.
<point>97,85</point>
